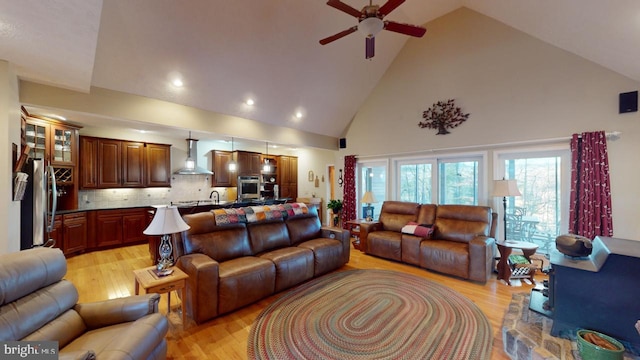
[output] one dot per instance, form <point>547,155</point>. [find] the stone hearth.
<point>526,334</point>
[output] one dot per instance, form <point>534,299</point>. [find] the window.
<point>458,182</point>
<point>456,178</point>
<point>373,177</point>
<point>538,215</point>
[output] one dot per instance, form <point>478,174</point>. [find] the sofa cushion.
<point>410,249</point>
<point>396,214</point>
<point>462,223</point>
<point>266,236</point>
<point>244,280</point>
<point>29,313</point>
<point>327,254</point>
<point>445,256</point>
<point>63,329</point>
<point>293,266</point>
<point>26,274</point>
<point>304,227</point>
<point>131,340</point>
<point>385,244</point>
<point>427,214</point>
<point>220,243</point>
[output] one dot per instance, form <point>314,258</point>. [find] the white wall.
<point>10,128</point>
<point>516,88</point>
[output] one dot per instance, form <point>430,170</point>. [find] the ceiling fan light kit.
<point>370,23</point>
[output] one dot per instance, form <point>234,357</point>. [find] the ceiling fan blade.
<point>339,35</point>
<point>411,30</point>
<point>344,7</point>
<point>370,47</point>
<point>389,7</point>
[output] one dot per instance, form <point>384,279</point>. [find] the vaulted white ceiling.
<point>268,50</point>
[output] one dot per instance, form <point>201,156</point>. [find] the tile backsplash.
<point>183,188</point>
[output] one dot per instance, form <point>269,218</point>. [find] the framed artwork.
<point>311,176</point>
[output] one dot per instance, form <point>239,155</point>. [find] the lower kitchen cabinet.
<point>74,232</point>
<point>120,226</point>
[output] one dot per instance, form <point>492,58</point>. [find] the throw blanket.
<point>251,214</point>
<point>416,229</point>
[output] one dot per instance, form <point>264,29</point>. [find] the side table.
<point>504,269</point>
<point>354,228</point>
<point>152,283</point>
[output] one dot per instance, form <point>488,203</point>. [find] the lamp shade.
<point>369,27</point>
<point>167,220</point>
<point>503,188</point>
<point>368,198</point>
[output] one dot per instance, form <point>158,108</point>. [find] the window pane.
<point>373,178</point>
<point>415,183</point>
<point>535,216</point>
<point>458,182</point>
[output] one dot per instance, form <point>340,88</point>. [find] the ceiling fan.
<point>370,23</point>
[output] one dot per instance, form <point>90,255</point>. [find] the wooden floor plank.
<point>105,274</point>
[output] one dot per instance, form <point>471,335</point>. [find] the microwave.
<point>248,187</point>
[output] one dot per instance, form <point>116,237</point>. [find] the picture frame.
<point>311,176</point>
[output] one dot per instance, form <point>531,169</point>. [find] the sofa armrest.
<point>115,311</point>
<point>202,285</point>
<point>481,258</point>
<point>365,229</point>
<point>338,234</point>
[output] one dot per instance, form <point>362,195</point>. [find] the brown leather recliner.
<point>37,304</point>
<point>462,243</point>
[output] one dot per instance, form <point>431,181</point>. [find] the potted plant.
<point>335,206</point>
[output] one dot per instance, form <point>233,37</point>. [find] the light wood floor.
<point>108,274</point>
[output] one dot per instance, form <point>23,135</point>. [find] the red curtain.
<point>349,193</point>
<point>590,200</point>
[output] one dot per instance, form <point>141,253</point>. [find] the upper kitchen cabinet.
<point>52,141</point>
<point>248,163</point>
<point>288,177</point>
<point>56,143</point>
<point>222,177</point>
<point>110,163</point>
<point>158,165</point>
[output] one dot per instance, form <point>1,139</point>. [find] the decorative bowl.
<point>590,351</point>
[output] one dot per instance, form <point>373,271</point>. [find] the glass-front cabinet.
<point>53,142</point>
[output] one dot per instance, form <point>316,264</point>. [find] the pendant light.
<point>233,165</point>
<point>266,167</point>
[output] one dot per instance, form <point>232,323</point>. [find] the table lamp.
<point>166,221</point>
<point>503,188</point>
<point>368,198</point>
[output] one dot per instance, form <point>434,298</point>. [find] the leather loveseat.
<point>37,304</point>
<point>235,257</point>
<point>461,243</point>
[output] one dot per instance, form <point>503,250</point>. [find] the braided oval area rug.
<point>370,314</point>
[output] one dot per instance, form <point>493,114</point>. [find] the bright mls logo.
<point>44,350</point>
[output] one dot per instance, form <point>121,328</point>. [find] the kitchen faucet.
<point>217,196</point>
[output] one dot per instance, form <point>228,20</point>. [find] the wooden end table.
<point>152,283</point>
<point>354,228</point>
<point>505,248</point>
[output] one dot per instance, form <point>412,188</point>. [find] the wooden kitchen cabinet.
<point>248,163</point>
<point>111,163</point>
<point>134,221</point>
<point>132,164</point>
<point>158,165</point>
<point>74,232</point>
<point>222,177</point>
<point>108,227</point>
<point>288,176</point>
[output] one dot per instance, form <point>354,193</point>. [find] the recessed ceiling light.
<point>299,115</point>
<point>178,83</point>
<point>250,102</point>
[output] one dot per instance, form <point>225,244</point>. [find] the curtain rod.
<point>612,136</point>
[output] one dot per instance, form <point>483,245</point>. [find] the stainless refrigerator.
<point>38,206</point>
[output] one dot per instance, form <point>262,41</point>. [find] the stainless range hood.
<point>190,166</point>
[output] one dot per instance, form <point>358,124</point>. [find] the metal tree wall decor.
<point>443,115</point>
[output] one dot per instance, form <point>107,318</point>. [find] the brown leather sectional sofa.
<point>462,243</point>
<point>37,304</point>
<point>235,264</point>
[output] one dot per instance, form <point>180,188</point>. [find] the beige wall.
<point>515,87</point>
<point>10,130</point>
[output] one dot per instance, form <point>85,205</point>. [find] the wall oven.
<point>248,187</point>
